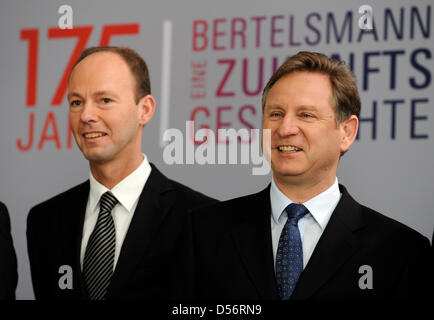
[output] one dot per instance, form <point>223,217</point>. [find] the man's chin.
<point>286,170</point>
<point>288,175</point>
<point>96,157</point>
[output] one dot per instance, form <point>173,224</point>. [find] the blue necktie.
<point>289,258</point>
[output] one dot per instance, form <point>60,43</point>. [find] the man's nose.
<point>89,112</point>
<point>288,126</point>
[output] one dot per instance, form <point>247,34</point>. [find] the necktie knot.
<point>108,201</point>
<point>295,212</point>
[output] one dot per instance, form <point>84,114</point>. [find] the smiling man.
<point>304,236</point>
<point>122,233</point>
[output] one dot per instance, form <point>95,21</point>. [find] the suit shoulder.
<point>3,207</point>
<point>4,214</point>
<point>390,227</point>
<point>161,183</point>
<point>375,225</point>
<point>5,222</point>
<point>229,209</point>
<point>47,206</point>
<point>194,197</point>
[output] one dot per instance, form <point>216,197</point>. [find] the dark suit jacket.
<point>234,259</point>
<point>154,260</point>
<point>8,258</point>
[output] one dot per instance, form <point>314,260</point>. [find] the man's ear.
<point>349,129</point>
<point>146,109</point>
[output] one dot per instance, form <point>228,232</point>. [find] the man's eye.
<point>75,103</point>
<point>306,115</point>
<point>106,100</point>
<point>275,115</point>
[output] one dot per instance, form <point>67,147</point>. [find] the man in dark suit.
<point>304,236</point>
<point>8,258</point>
<point>121,234</point>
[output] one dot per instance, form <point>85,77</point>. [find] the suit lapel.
<point>71,226</point>
<point>336,245</point>
<point>252,236</point>
<point>154,203</point>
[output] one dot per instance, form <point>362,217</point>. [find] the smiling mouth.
<point>94,135</point>
<point>289,149</point>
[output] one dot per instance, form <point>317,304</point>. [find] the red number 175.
<point>82,33</point>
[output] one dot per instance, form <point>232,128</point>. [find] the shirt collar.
<point>126,191</point>
<point>320,207</point>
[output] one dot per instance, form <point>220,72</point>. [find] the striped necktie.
<point>100,251</point>
<point>289,258</point>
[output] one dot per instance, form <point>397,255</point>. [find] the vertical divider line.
<point>165,78</point>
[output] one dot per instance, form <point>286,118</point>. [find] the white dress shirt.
<point>311,226</point>
<point>127,192</point>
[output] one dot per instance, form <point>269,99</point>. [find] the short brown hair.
<point>345,96</point>
<point>137,65</point>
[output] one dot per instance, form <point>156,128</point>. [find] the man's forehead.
<point>101,64</point>
<point>302,83</point>
<point>284,105</point>
<point>102,56</point>
<point>103,59</point>
<point>96,93</point>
